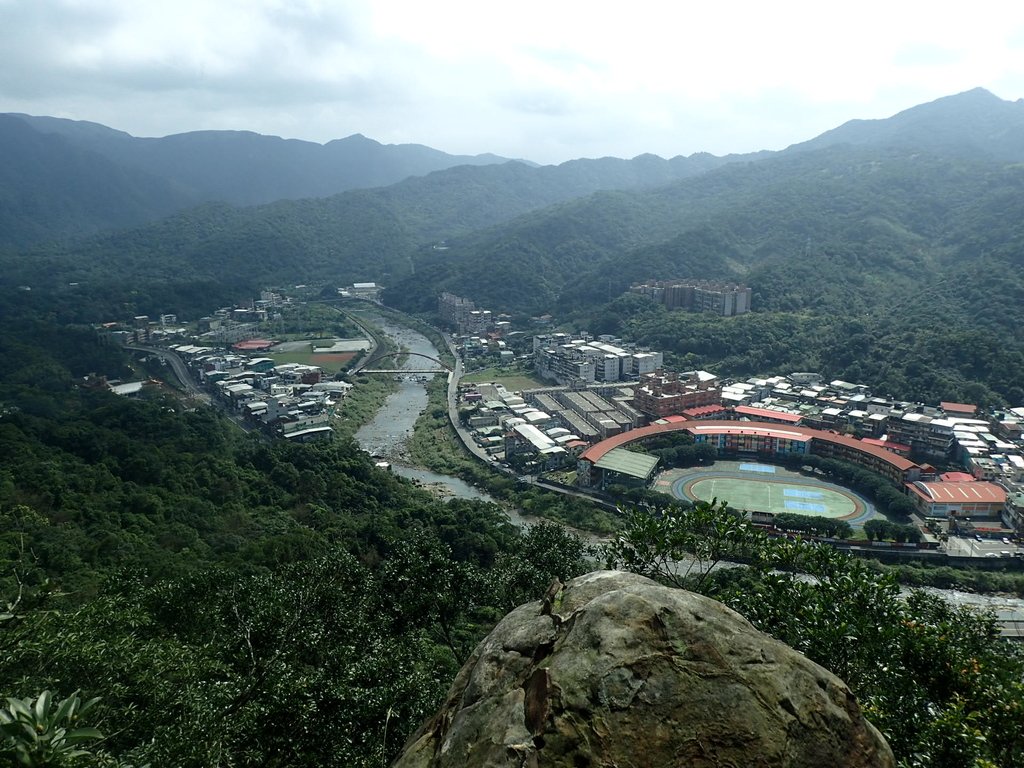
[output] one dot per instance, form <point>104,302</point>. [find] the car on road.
<point>977,537</point>
<point>1005,540</point>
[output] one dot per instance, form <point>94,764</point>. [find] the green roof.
<point>628,463</point>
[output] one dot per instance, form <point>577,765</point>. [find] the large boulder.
<point>615,670</point>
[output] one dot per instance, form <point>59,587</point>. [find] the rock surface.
<point>617,671</point>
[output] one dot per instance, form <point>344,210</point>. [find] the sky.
<point>544,81</point>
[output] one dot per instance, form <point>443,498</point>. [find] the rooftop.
<point>767,413</point>
<point>959,493</point>
<point>595,452</point>
<point>628,463</point>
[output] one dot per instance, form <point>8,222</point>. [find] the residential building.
<point>662,394</point>
<point>726,299</point>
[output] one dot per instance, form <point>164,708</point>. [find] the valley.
<point>843,314</point>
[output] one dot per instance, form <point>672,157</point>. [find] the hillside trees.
<point>233,600</point>
<point>928,675</point>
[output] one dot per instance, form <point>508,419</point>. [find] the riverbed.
<point>387,435</point>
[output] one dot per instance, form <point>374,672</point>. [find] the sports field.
<point>765,488</point>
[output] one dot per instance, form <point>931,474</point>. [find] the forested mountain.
<point>912,239</point>
<point>381,234</point>
<point>71,178</point>
<point>51,189</point>
<point>975,121</point>
<point>246,168</point>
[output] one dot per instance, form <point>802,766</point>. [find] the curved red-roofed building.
<point>768,441</point>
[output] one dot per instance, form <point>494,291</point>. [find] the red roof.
<point>675,419</point>
<point>959,493</point>
<point>767,413</point>
<point>596,451</point>
<point>956,477</point>
<point>702,410</point>
<point>887,444</point>
<point>963,408</point>
<point>253,344</point>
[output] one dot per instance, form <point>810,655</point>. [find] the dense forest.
<point>232,600</point>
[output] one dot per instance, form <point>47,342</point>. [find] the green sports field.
<point>759,487</point>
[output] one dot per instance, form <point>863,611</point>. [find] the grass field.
<point>765,488</point>
<point>513,379</point>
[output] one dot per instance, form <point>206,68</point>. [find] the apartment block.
<point>662,394</point>
<point>725,299</point>
<point>463,315</point>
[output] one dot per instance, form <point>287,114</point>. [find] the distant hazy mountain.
<point>975,120</point>
<point>50,189</point>
<point>158,176</point>
<point>526,237</point>
<point>245,168</point>
<point>377,234</point>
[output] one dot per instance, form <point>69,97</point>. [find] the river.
<point>389,431</point>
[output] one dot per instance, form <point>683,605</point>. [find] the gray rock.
<point>617,671</point>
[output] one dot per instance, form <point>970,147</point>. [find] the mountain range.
<point>883,221</point>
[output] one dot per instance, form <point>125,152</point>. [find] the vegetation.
<point>38,732</point>
<point>946,577</point>
<point>234,601</point>
<point>819,526</point>
<point>882,530</point>
<point>938,681</point>
<point>680,450</point>
<point>514,378</point>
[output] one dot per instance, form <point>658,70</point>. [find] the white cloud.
<point>549,81</point>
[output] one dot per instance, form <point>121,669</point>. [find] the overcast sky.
<point>547,81</point>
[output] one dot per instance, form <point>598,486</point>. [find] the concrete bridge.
<point>395,355</point>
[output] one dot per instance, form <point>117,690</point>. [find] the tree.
<point>929,675</point>
<point>678,543</point>
<point>39,734</point>
<point>876,528</point>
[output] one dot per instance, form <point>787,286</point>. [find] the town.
<point>960,472</point>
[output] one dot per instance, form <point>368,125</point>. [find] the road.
<point>189,384</point>
<point>453,412</point>
<point>181,372</point>
<point>370,332</point>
